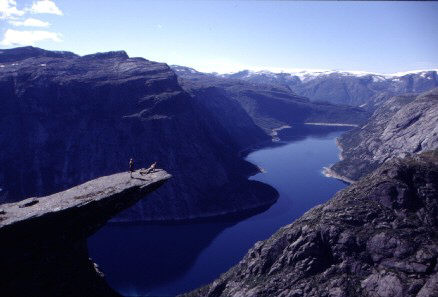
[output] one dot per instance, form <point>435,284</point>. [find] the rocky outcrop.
<point>378,237</point>
<point>44,240</point>
<point>403,125</point>
<point>67,119</point>
<point>266,105</point>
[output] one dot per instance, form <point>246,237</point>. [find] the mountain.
<point>403,125</point>
<point>377,237</point>
<point>268,106</point>
<point>67,119</point>
<point>353,88</point>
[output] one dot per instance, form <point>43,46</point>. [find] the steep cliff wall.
<point>403,125</point>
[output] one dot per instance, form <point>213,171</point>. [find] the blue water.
<point>165,260</point>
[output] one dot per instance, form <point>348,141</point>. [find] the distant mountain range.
<point>356,88</point>
<point>269,106</point>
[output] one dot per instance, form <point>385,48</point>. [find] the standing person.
<point>131,166</point>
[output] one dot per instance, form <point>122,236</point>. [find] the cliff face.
<point>403,125</point>
<point>44,240</point>
<point>268,106</point>
<point>230,114</point>
<point>378,237</point>
<point>67,119</point>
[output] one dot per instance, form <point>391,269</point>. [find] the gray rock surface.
<point>44,240</point>
<point>403,125</point>
<point>378,237</point>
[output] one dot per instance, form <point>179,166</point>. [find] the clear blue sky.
<point>230,35</point>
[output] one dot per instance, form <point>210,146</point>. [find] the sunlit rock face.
<point>377,237</point>
<point>67,119</point>
<point>403,125</point>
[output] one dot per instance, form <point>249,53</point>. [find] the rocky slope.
<point>268,106</point>
<point>44,240</point>
<point>66,119</point>
<point>378,237</point>
<point>403,125</point>
<point>338,87</point>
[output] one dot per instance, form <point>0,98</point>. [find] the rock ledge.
<point>44,249</point>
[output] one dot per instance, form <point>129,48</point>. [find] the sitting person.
<point>150,169</point>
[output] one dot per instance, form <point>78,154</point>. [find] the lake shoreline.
<point>328,172</point>
<point>332,124</point>
<point>274,133</point>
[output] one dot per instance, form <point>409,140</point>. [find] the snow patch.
<point>308,74</point>
<point>378,78</point>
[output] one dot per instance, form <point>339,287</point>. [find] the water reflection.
<point>301,132</point>
<point>136,258</point>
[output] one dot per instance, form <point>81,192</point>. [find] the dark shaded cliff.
<point>66,119</point>
<point>44,240</point>
<point>403,125</point>
<point>378,237</point>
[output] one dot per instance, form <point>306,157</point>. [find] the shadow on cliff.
<point>147,256</point>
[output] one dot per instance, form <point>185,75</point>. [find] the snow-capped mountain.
<point>309,74</point>
<point>357,88</point>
